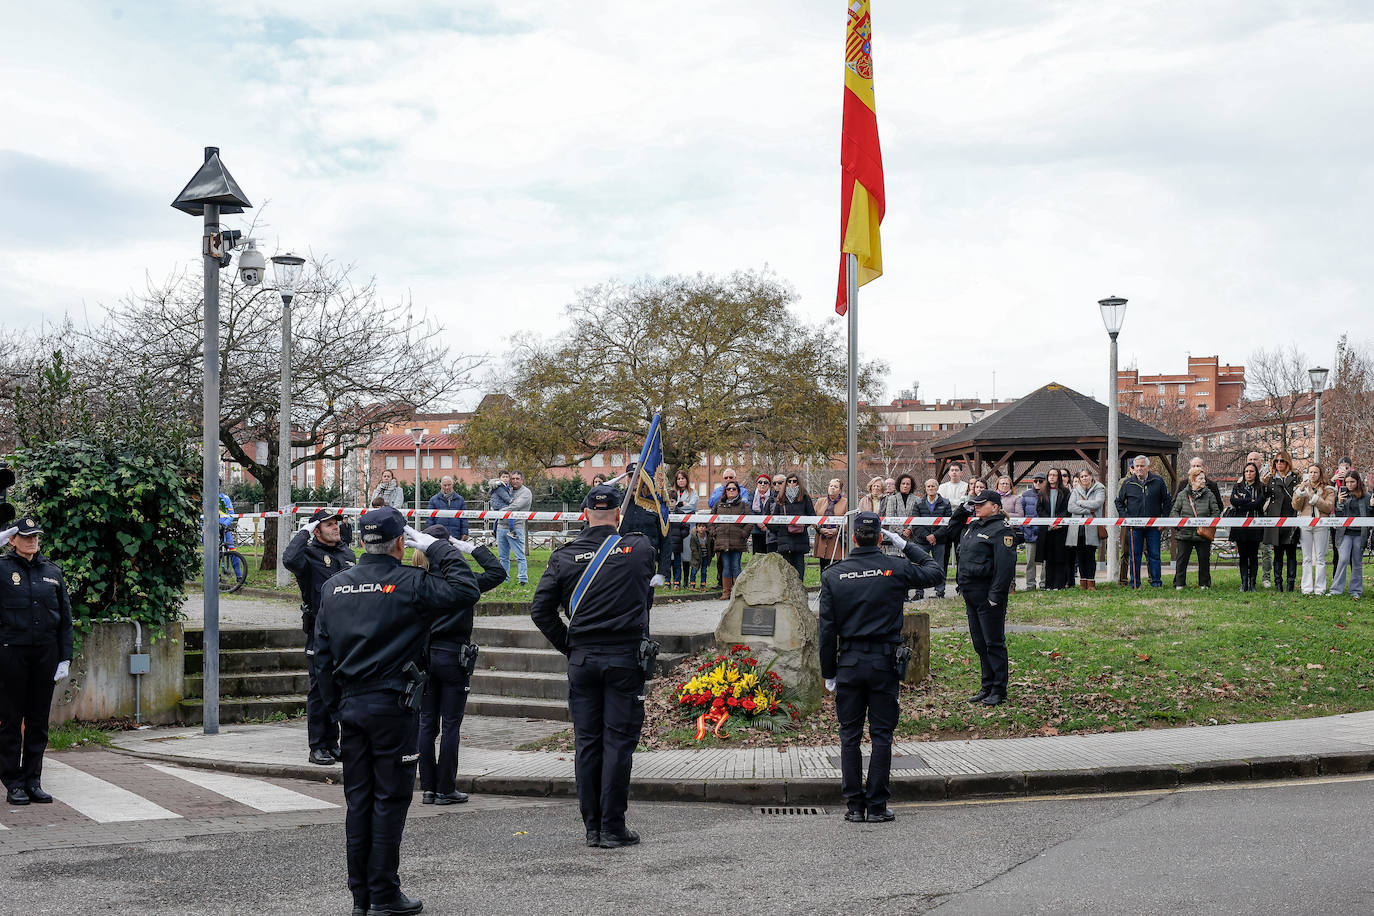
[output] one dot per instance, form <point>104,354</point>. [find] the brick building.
<point>1206,388</point>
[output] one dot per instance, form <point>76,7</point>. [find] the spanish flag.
<point>861,160</point>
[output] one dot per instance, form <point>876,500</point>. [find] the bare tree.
<point>357,364</point>
<point>1348,405</point>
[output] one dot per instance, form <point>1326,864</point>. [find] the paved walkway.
<point>1157,758</point>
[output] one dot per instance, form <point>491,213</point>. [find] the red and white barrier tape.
<point>890,521</point>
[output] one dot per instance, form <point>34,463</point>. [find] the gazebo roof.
<point>1054,416</point>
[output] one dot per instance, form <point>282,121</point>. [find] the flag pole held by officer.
<point>601,580</point>
<point>987,566</point>
<point>370,638</point>
<point>35,653</point>
<point>863,659</point>
<point>315,555</point>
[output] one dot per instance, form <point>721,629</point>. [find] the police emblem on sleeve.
<point>1007,540</point>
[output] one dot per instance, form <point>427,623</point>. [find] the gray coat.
<point>394,496</point>
<point>1083,505</point>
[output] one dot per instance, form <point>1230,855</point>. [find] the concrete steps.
<point>262,675</point>
<point>241,709</point>
<point>257,684</point>
<point>248,661</point>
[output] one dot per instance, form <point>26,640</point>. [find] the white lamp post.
<point>418,432</point>
<point>1318,377</point>
<point>286,268</point>
<point>1113,316</point>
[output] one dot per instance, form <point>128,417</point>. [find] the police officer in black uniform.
<point>369,645</point>
<point>316,554</point>
<point>860,634</point>
<point>35,653</point>
<point>602,638</point>
<point>987,565</point>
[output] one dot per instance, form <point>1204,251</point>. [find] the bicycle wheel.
<point>233,571</point>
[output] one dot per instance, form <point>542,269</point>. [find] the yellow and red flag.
<point>861,160</point>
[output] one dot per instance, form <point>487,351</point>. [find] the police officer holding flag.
<point>602,581</point>
<point>987,565</point>
<point>315,555</point>
<point>369,648</point>
<point>862,657</point>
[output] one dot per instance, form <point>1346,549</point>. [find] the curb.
<point>913,788</point>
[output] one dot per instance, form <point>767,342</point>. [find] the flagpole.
<point>852,314</point>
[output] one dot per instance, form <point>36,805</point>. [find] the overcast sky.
<point>1213,163</point>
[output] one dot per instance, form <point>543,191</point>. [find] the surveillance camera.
<point>251,265</point>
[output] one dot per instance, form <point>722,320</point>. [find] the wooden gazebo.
<point>1054,425</point>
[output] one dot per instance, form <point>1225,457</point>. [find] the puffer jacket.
<point>1029,500</point>
<point>1353,507</point>
<point>728,535</point>
<point>1195,504</point>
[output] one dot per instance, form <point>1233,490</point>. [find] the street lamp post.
<point>287,270</point>
<point>418,432</point>
<point>211,193</point>
<point>1318,377</point>
<point>1113,310</point>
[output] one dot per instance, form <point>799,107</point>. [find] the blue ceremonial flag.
<point>649,489</point>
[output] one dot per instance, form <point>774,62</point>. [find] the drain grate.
<point>792,811</point>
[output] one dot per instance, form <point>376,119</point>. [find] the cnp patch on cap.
<point>384,524</point>
<point>27,525</point>
<point>602,497</point>
<point>867,523</point>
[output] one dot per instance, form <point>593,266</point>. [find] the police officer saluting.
<point>862,656</point>
<point>987,565</point>
<point>35,653</point>
<point>602,581</point>
<point>369,646</point>
<point>315,555</point>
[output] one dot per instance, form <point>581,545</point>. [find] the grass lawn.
<point>1123,660</point>
<point>77,734</point>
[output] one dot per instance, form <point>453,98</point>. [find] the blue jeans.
<point>1145,543</point>
<point>508,542</point>
<point>1350,559</point>
<point>730,563</point>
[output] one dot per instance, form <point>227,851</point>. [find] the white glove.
<point>830,684</point>
<point>310,526</point>
<point>418,539</point>
<point>62,669</point>
<point>895,539</point>
<point>464,546</point>
<point>7,534</point>
<point>657,580</point>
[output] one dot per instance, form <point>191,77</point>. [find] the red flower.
<point>751,661</point>
<point>748,703</point>
<point>732,702</point>
<point>718,702</point>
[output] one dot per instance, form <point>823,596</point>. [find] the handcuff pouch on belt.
<point>415,685</point>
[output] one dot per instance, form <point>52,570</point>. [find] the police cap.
<point>28,525</point>
<point>324,514</point>
<point>987,496</point>
<point>380,525</point>
<point>602,497</point>
<point>867,523</point>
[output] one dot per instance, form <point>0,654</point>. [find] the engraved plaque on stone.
<point>758,621</point>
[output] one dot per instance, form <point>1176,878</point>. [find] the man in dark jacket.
<point>932,540</point>
<point>35,653</point>
<point>860,630</point>
<point>369,646</point>
<point>1144,494</point>
<point>315,555</point>
<point>448,499</point>
<point>604,586</point>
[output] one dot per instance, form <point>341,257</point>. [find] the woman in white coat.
<point>1086,499</point>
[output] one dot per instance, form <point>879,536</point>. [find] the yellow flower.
<point>749,681</point>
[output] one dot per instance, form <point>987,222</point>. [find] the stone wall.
<point>101,687</point>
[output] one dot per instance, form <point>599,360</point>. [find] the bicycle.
<point>233,567</point>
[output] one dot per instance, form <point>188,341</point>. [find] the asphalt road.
<point>1294,847</point>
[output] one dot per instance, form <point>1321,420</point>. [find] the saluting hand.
<point>895,539</point>
<point>7,534</point>
<point>418,539</point>
<point>464,546</point>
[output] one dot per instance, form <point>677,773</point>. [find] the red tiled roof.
<point>404,443</point>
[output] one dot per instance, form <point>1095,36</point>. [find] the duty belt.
<point>868,645</point>
<point>397,684</point>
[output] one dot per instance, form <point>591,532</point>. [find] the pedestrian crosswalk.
<point>101,787</point>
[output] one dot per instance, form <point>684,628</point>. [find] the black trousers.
<point>866,685</point>
<point>606,701</point>
<point>26,687</point>
<point>758,540</point>
<point>1249,564</point>
<point>797,560</point>
<point>1086,555</point>
<point>1183,550</point>
<point>378,744</point>
<point>321,728</point>
<point>987,627</point>
<point>441,716</point>
<point>1285,556</point>
<point>1059,572</point>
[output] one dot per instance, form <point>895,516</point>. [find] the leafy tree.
<point>357,363</point>
<point>725,359</point>
<point>116,485</point>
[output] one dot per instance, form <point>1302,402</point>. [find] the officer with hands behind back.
<point>987,565</point>
<point>35,653</point>
<point>602,580</point>
<point>315,555</point>
<point>369,646</point>
<point>862,656</point>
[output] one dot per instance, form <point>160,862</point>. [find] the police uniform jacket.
<point>313,564</point>
<point>862,596</point>
<point>614,612</point>
<point>34,607</point>
<point>455,627</point>
<point>375,617</point>
<point>987,557</point>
